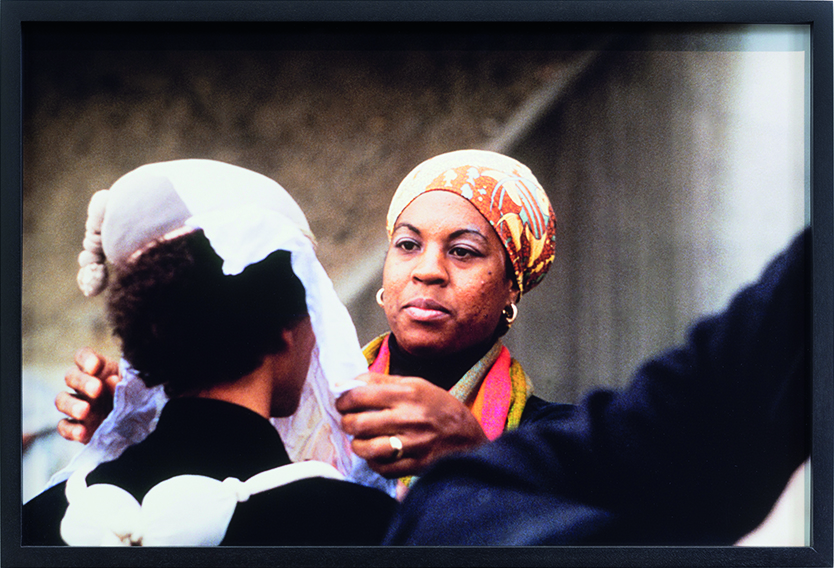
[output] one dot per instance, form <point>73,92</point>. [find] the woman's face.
<point>445,277</point>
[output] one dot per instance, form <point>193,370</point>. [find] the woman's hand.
<point>427,419</point>
<point>94,381</point>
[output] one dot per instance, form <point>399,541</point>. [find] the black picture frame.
<point>203,15</point>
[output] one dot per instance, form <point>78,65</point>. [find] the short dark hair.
<point>187,326</point>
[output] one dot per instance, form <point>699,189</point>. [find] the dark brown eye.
<point>463,252</point>
<point>406,244</point>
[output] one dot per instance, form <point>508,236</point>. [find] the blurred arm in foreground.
<point>695,451</point>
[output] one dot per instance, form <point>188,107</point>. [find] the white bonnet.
<point>245,216</point>
<point>151,201</point>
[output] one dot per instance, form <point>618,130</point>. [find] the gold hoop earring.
<point>510,313</point>
<point>379,296</point>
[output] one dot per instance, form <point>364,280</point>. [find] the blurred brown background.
<point>676,159</point>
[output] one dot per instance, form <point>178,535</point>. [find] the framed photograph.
<point>682,145</point>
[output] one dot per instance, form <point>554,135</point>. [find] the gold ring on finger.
<point>396,447</point>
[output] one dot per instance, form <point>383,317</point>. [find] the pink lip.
<point>425,309</point>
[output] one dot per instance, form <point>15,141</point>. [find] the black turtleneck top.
<point>443,371</point>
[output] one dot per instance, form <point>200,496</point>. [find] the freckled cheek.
<point>483,301</point>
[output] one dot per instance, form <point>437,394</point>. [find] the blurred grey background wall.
<point>676,158</point>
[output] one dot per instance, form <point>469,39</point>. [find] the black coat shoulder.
<point>311,512</point>
<point>308,512</point>
<point>537,409</point>
<point>41,517</point>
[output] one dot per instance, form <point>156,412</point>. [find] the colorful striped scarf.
<point>495,389</point>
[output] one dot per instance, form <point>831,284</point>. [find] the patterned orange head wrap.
<point>505,192</point>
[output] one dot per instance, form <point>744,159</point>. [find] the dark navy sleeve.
<point>694,451</point>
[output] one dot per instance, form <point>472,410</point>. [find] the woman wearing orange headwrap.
<point>470,232</point>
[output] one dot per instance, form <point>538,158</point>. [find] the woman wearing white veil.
<point>245,217</point>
